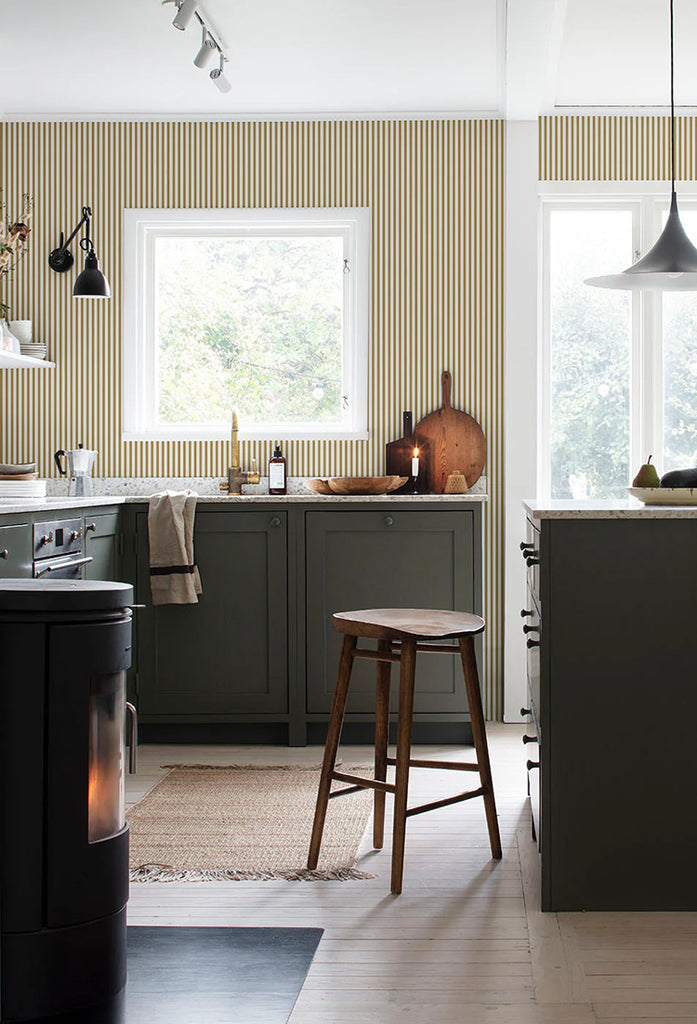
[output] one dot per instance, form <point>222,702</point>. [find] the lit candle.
<point>415,463</point>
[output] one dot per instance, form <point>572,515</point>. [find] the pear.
<point>647,475</point>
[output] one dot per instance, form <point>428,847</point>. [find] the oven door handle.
<point>76,563</point>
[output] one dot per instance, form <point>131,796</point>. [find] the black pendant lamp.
<point>91,282</point>
<point>671,265</point>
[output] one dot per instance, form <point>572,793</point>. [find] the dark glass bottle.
<point>278,478</point>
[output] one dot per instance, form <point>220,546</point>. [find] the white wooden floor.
<point>465,943</point>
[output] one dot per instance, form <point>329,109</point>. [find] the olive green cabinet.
<point>381,559</point>
<point>225,657</point>
<point>103,544</point>
<point>16,552</point>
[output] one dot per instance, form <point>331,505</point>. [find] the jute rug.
<point>243,822</point>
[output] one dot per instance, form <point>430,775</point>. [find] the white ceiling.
<point>286,56</point>
<point>300,57</point>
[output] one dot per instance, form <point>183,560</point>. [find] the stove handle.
<point>132,738</point>
<point>76,564</point>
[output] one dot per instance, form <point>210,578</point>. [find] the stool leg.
<point>336,720</point>
<point>474,699</point>
<point>407,666</point>
<point>382,728</point>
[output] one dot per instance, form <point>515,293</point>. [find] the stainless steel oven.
<point>59,550</point>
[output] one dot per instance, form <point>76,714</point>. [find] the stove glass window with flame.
<point>106,805</point>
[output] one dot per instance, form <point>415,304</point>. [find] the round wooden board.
<point>457,442</point>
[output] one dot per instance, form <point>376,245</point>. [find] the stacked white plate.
<point>34,350</point>
<point>22,489</point>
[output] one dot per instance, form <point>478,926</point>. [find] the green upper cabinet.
<point>103,545</point>
<point>228,654</point>
<point>15,552</point>
<point>383,559</point>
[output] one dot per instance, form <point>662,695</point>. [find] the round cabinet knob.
<point>533,643</point>
<point>275,521</point>
<point>531,629</point>
<point>90,527</point>
<point>524,612</point>
<point>525,711</point>
<point>4,553</point>
<point>389,521</point>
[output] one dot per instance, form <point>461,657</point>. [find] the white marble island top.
<point>609,508</point>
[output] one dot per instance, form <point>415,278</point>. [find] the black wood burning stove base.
<point>221,975</point>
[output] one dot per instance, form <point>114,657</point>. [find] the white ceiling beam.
<point>534,30</point>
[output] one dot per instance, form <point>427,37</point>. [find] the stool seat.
<point>407,623</point>
<point>401,633</point>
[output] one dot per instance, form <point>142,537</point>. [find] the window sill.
<point>253,434</point>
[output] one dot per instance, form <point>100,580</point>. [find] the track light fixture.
<point>91,283</point>
<point>187,10</point>
<point>208,48</point>
<point>218,76</point>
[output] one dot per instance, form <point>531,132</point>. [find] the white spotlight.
<point>207,50</point>
<point>185,12</point>
<point>219,78</point>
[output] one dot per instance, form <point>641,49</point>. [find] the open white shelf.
<point>12,361</point>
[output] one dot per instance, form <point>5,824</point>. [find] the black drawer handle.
<point>529,739</point>
<point>526,547</point>
<point>275,521</point>
<point>532,764</point>
<point>90,527</point>
<point>524,612</point>
<point>532,561</point>
<point>4,553</point>
<point>533,643</point>
<point>389,521</point>
<point>525,711</point>
<point>531,629</point>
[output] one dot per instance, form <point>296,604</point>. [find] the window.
<point>264,311</point>
<point>618,369</point>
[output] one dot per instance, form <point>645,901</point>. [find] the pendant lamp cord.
<point>672,104</point>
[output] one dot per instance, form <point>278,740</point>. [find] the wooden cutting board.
<point>456,441</point>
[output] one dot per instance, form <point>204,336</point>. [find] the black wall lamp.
<point>91,283</point>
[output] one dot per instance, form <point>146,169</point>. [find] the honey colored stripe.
<point>615,148</point>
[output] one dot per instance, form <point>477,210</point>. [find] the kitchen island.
<point>611,629</point>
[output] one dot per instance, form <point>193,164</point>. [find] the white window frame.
<point>647,201</point>
<point>141,228</point>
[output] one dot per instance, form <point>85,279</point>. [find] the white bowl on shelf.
<point>22,331</point>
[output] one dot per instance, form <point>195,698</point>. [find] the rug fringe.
<point>316,767</point>
<point>165,873</point>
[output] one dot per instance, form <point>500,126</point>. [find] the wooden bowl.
<point>365,484</point>
<point>319,486</point>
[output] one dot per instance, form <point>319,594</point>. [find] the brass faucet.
<point>236,476</point>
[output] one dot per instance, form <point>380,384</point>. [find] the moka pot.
<point>78,467</point>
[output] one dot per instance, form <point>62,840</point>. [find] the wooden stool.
<point>400,633</point>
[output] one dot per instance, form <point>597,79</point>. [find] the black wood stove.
<point>64,649</point>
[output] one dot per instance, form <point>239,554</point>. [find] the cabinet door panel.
<point>380,560</point>
<point>15,552</point>
<point>101,533</point>
<point>227,654</point>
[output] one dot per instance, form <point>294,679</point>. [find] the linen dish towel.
<point>174,575</point>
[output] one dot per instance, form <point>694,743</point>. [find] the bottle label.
<point>277,475</point>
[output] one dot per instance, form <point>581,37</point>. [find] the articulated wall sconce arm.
<point>91,283</point>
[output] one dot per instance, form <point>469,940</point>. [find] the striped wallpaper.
<point>615,148</point>
<point>434,189</point>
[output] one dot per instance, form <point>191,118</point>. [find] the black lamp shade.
<point>91,283</point>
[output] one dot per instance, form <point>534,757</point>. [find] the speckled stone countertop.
<point>121,491</point>
<point>622,508</point>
